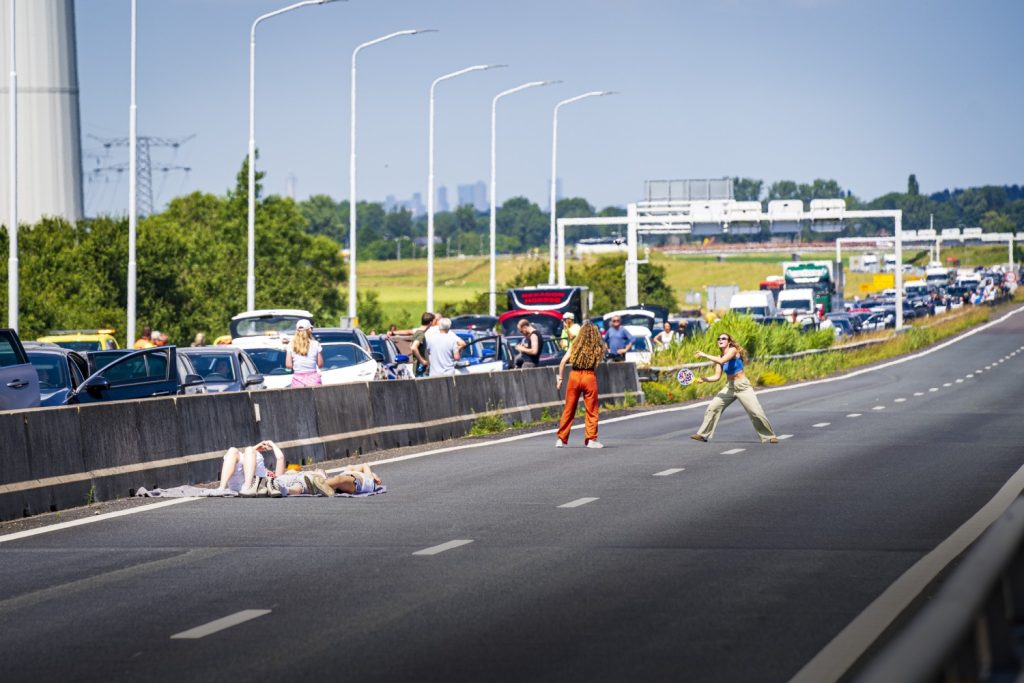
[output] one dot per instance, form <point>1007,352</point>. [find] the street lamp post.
<point>494,181</point>
<point>12,221</point>
<point>430,175</point>
<point>352,169</point>
<point>250,282</point>
<point>132,188</point>
<point>554,173</point>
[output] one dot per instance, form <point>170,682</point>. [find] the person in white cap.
<point>304,357</point>
<point>570,330</point>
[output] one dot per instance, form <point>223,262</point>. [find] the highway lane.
<point>737,567</point>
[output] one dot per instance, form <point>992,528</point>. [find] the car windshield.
<point>641,344</point>
<point>214,367</point>
<point>634,319</point>
<point>51,368</point>
<point>379,346</point>
<point>269,361</point>
<point>263,325</point>
<point>751,310</point>
<point>794,304</point>
<point>343,356</point>
<point>81,345</point>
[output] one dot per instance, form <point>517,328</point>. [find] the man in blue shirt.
<point>619,340</point>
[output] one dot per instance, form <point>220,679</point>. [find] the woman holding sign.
<point>586,352</point>
<point>737,387</point>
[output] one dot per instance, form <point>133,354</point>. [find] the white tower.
<point>49,138</point>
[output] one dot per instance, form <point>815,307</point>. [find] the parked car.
<point>354,335</point>
<point>689,327</point>
<point>158,371</point>
<point>60,371</point>
<point>19,381</point>
<point>754,303</point>
<point>479,357</point>
<point>345,362</point>
<point>491,347</point>
<point>385,351</point>
<point>100,359</point>
<point>225,368</point>
<point>476,323</point>
<point>82,340</point>
<point>270,322</point>
<point>550,351</point>
<point>268,354</point>
<point>640,353</point>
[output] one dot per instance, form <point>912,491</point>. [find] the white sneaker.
<point>595,444</point>
<point>559,443</point>
<point>250,491</point>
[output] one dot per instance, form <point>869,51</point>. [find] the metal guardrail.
<point>973,629</point>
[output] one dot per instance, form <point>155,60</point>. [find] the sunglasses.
<point>723,339</point>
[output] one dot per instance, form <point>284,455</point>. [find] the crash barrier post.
<point>970,631</point>
<point>57,458</point>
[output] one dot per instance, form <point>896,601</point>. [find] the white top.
<point>442,347</point>
<point>306,363</point>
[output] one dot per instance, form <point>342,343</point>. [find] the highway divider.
<point>57,458</point>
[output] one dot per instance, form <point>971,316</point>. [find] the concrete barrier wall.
<point>57,458</point>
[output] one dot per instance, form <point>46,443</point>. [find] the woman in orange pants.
<point>586,352</point>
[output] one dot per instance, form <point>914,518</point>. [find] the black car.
<point>396,365</point>
<point>476,323</point>
<point>60,371</point>
<point>19,382</point>
<point>340,334</point>
<point>101,359</point>
<point>158,371</point>
<point>225,368</point>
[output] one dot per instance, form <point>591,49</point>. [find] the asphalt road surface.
<point>657,558</point>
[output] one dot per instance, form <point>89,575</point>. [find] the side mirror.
<point>379,357</point>
<point>253,380</point>
<point>401,358</point>
<point>194,381</point>
<point>97,384</point>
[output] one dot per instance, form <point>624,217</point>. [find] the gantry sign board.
<point>727,216</point>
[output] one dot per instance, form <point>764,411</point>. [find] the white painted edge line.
<point>434,550</point>
<point>220,624</point>
<point>578,502</point>
<point>734,451</point>
<point>672,470</point>
<point>835,659</point>
<point>819,425</point>
<point>783,437</point>
<point>89,520</point>
<point>854,415</point>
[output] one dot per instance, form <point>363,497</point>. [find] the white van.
<point>799,300</point>
<point>758,304</point>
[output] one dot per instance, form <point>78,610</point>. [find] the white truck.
<point>799,301</point>
<point>755,303</point>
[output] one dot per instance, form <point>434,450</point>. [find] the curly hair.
<point>587,349</point>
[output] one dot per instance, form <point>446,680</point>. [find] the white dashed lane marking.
<point>733,451</point>
<point>934,389</point>
<point>854,415</point>
<point>918,393</point>
<point>821,424</point>
<point>220,624</point>
<point>899,400</point>
<point>970,374</point>
<point>878,408</point>
<point>783,437</point>
<point>435,549</point>
<point>576,503</point>
<point>665,473</point>
<point>947,384</point>
<point>959,381</point>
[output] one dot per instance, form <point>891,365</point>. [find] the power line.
<point>144,172</point>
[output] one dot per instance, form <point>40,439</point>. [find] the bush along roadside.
<point>761,341</point>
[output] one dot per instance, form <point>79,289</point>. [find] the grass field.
<point>401,285</point>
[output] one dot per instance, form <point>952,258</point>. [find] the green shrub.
<point>490,423</point>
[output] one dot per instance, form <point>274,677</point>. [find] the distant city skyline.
<point>773,90</point>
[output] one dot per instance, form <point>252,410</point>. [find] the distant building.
<point>442,199</point>
<point>475,195</point>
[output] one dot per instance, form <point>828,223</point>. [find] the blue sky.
<point>862,91</point>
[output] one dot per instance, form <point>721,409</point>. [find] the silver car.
<point>19,382</point>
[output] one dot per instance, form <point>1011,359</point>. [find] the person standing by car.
<point>737,388</point>
<point>570,330</point>
<point>145,341</point>
<point>587,351</point>
<point>200,339</point>
<point>419,344</point>
<point>529,348</point>
<point>304,357</point>
<point>665,338</point>
<point>443,349</point>
<point>619,340</point>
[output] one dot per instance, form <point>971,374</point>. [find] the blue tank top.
<point>732,366</point>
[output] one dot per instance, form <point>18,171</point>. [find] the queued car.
<point>60,371</point>
<point>268,354</point>
<point>82,340</point>
<point>157,371</point>
<point>225,368</point>
<point>99,359</point>
<point>19,382</point>
<point>385,351</point>
<point>353,335</point>
<point>475,323</point>
<point>270,322</point>
<point>480,355</point>
<point>640,352</point>
<point>345,362</point>
<point>550,351</point>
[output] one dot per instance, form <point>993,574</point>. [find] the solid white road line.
<point>434,550</point>
<point>576,503</point>
<point>832,662</point>
<point>665,473</point>
<point>220,624</point>
<point>89,520</point>
<point>734,451</point>
<point>821,424</point>
<point>854,415</point>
